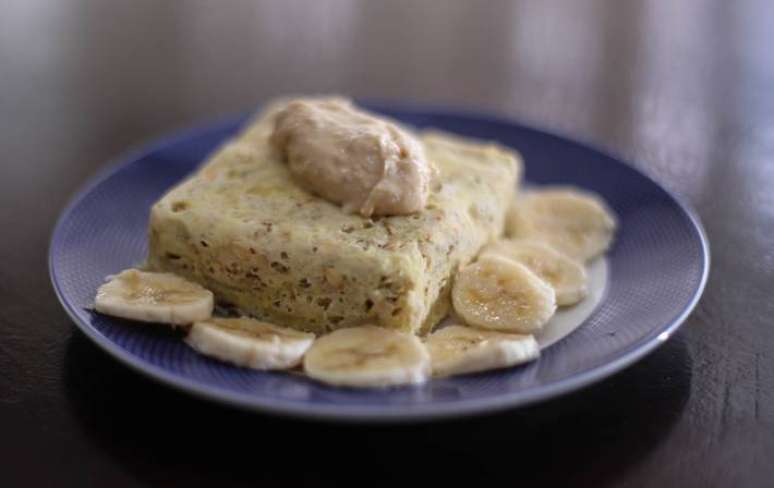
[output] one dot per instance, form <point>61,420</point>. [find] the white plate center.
<point>567,319</point>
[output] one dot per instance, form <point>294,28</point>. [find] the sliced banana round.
<point>501,294</point>
<point>154,297</point>
<point>368,356</point>
<point>457,349</point>
<point>566,276</point>
<point>575,222</point>
<point>248,342</point>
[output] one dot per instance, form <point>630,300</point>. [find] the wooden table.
<point>682,88</point>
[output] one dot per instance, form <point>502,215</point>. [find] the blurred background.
<point>682,88</point>
<point>656,81</point>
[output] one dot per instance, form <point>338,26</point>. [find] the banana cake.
<point>243,228</point>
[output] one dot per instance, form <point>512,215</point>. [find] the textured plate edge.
<point>389,414</point>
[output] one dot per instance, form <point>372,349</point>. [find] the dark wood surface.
<point>682,88</point>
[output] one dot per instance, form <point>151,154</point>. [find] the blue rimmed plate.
<point>655,274</point>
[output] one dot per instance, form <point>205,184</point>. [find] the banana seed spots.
<point>150,295</point>
<point>463,343</point>
<point>549,273</point>
<point>346,357</point>
<point>149,288</point>
<point>246,327</point>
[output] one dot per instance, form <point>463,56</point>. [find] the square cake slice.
<point>242,228</point>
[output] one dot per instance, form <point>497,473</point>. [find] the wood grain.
<point>682,89</point>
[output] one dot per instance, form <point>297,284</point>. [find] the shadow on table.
<point>160,435</point>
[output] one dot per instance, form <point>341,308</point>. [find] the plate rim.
<point>381,413</point>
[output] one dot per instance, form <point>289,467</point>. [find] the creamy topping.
<point>350,157</point>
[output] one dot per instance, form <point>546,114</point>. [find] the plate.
<point>654,273</point>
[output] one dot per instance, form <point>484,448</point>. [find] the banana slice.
<point>368,356</point>
<point>457,350</point>
<point>248,342</point>
<point>574,222</point>
<point>154,297</point>
<point>501,294</point>
<point>566,276</point>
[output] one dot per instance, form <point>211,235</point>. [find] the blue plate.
<point>658,269</point>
